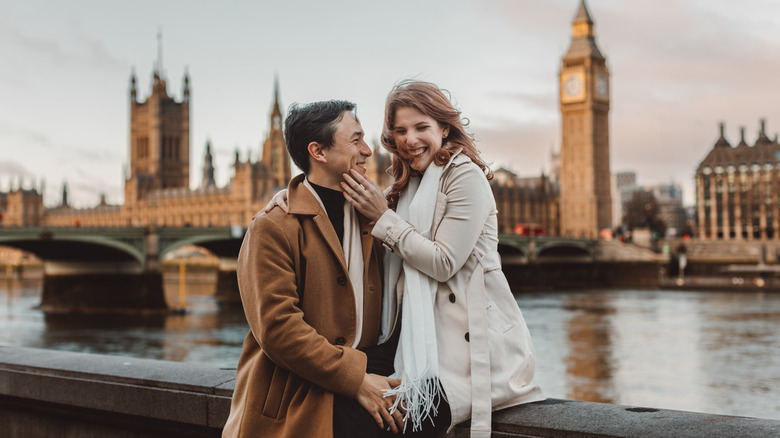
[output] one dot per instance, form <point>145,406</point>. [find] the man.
<point>310,283</point>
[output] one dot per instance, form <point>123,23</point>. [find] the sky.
<point>678,68</point>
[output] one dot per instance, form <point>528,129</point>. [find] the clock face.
<point>601,86</point>
<point>573,86</point>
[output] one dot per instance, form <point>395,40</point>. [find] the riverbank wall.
<point>45,393</point>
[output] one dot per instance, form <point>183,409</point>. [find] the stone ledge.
<point>169,391</point>
<point>567,418</point>
<point>45,392</point>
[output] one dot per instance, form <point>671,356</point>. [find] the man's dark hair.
<point>312,122</point>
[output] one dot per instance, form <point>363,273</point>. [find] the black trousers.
<point>350,420</point>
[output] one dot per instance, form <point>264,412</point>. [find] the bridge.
<point>118,269</point>
<point>516,249</point>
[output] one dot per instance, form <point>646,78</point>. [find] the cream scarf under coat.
<point>417,358</point>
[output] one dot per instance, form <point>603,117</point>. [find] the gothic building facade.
<point>572,200</point>
<point>157,184</point>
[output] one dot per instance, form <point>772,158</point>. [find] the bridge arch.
<point>511,249</point>
<point>76,248</point>
<point>564,249</point>
<point>219,245</point>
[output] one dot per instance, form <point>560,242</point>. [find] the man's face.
<point>349,150</point>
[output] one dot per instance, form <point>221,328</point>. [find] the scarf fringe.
<point>420,399</point>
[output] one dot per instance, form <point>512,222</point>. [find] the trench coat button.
<point>467,337</point>
<point>342,280</point>
<point>341,340</point>
<point>452,297</point>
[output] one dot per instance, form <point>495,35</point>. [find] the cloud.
<point>12,169</point>
<point>93,154</point>
<point>522,147</point>
<point>30,51</point>
<point>11,135</point>
<point>534,102</point>
<point>41,48</point>
<point>96,54</point>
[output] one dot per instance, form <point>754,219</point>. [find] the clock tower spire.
<point>584,99</point>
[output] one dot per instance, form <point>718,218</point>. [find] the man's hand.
<point>371,397</point>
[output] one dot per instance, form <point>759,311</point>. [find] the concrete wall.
<point>46,393</point>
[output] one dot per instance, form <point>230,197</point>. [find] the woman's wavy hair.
<point>430,100</point>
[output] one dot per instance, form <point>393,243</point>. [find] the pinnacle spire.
<point>64,199</point>
<point>742,141</point>
<point>276,109</point>
<point>583,41</point>
<point>208,167</point>
<point>722,139</point>
<point>159,51</point>
<point>762,137</point>
<point>583,15</point>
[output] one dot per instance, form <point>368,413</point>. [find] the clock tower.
<point>584,174</point>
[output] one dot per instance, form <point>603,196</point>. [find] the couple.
<point>375,314</point>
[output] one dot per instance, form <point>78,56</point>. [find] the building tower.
<point>64,201</point>
<point>159,138</point>
<point>584,99</point>
<point>275,155</point>
<point>208,168</point>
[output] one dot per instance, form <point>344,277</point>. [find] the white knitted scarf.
<point>417,359</point>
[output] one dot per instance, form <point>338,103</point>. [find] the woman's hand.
<point>364,195</point>
<point>280,200</point>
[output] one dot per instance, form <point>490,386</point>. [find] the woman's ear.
<point>317,152</point>
<point>445,131</point>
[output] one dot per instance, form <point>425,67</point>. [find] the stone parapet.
<point>47,393</point>
<point>54,393</point>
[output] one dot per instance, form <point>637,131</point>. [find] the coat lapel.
<point>302,202</point>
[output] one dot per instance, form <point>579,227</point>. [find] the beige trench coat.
<point>462,255</point>
<point>301,311</point>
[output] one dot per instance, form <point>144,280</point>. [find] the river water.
<point>715,352</point>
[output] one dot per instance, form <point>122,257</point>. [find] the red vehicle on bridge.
<point>529,230</point>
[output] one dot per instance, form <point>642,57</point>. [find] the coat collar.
<point>302,202</point>
<point>457,158</point>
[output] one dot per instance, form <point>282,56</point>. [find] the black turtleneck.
<point>334,205</point>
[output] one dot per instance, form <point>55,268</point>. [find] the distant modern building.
<point>737,189</point>
<point>623,189</point>
<point>669,197</point>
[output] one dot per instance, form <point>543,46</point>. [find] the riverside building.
<point>737,189</point>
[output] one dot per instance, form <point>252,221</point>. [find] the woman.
<point>438,222</point>
<point>462,336</point>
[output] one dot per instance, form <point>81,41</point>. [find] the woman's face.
<point>417,136</point>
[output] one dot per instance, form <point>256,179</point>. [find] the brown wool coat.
<point>300,307</point>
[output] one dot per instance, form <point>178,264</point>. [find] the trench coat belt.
<point>481,400</point>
